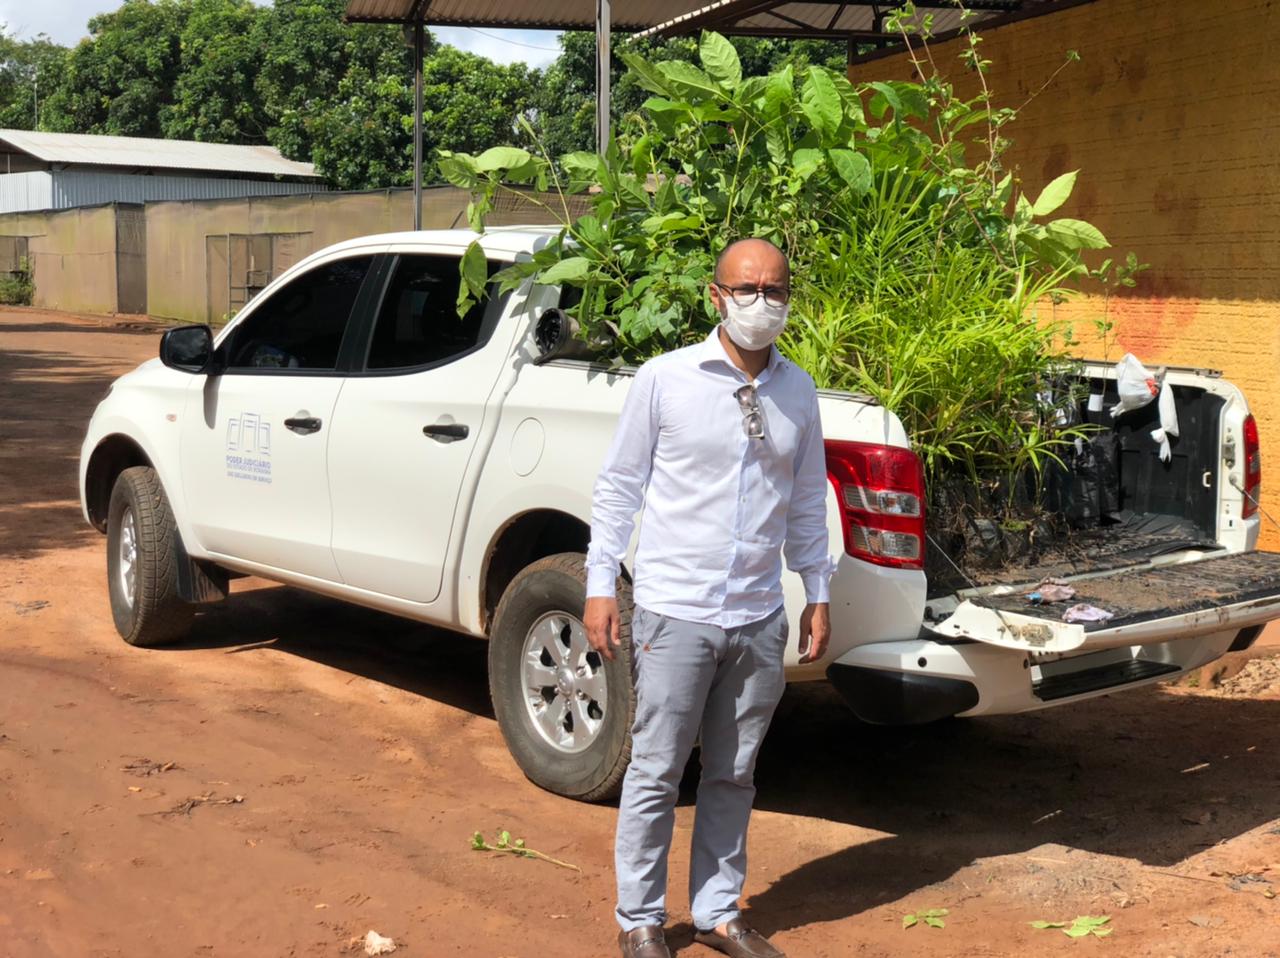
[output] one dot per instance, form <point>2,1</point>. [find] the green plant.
<point>504,844</point>
<point>1081,927</point>
<point>933,918</point>
<point>918,268</point>
<point>17,288</point>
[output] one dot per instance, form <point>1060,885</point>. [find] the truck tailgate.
<point>1150,604</point>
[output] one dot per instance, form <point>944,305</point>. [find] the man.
<point>721,444</point>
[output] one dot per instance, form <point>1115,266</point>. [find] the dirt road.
<point>301,772</point>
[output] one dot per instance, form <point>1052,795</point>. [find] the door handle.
<point>303,425</point>
<point>447,431</point>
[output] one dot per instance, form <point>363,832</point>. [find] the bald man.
<point>721,444</point>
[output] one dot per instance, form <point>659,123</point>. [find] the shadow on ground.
<point>46,399</point>
<point>1109,776</point>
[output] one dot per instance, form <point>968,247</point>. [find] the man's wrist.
<point>601,582</point>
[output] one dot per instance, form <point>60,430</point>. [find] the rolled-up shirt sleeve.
<point>806,543</point>
<point>620,487</point>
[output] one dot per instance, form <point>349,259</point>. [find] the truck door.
<point>408,423</point>
<point>254,438</point>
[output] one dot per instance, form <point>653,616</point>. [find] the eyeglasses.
<point>747,295</point>
<point>752,417</point>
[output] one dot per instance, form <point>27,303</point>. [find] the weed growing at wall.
<point>17,288</point>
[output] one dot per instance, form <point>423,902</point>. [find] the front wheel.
<point>564,710</point>
<point>142,561</point>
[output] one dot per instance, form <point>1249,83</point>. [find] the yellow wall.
<point>1169,117</point>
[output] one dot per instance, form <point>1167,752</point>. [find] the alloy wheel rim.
<point>128,555</point>
<point>563,682</point>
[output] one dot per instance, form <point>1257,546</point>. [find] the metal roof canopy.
<point>836,19</point>
<point>135,152</point>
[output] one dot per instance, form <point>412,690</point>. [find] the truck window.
<point>300,325</point>
<point>418,323</point>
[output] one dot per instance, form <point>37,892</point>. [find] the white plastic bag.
<point>1168,422</point>
<point>1137,387</point>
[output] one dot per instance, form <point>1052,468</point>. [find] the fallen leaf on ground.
<point>1205,921</point>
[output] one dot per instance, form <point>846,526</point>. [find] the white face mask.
<point>755,326</point>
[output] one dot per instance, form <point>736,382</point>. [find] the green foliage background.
<point>292,75</point>
<point>919,275</point>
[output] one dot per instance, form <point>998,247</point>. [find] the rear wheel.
<point>142,561</point>
<point>564,710</point>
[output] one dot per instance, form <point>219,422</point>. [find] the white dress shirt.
<point>719,507</point>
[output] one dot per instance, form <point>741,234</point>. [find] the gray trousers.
<point>726,682</point>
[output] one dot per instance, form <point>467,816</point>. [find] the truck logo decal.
<point>249,448</point>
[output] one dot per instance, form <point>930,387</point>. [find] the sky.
<point>66,21</point>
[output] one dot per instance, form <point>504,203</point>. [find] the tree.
<point>215,98</point>
<point>565,104</point>
<point>363,137</point>
<point>307,52</point>
<point>122,78</point>
<point>28,72</point>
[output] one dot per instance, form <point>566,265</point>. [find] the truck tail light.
<point>881,494</point>
<point>1252,467</point>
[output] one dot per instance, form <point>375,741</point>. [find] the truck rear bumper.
<point>918,680</point>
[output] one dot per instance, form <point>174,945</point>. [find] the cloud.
<point>65,21</point>
<point>534,47</point>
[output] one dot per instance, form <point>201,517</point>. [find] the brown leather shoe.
<point>742,941</point>
<point>645,942</point>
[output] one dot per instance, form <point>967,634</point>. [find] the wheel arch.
<point>111,456</point>
<point>520,541</point>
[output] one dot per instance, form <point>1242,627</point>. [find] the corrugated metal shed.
<point>64,189</point>
<point>21,192</point>
<point>136,153</point>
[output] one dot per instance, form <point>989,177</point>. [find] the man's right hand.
<point>604,625</point>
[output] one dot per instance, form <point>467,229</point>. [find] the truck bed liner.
<point>1133,542</point>
<point>1145,594</point>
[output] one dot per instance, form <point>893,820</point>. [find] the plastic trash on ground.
<point>375,944</point>
<point>1051,590</point>
<point>1086,613</point>
<point>1137,388</point>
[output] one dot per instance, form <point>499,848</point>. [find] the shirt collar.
<point>713,351</point>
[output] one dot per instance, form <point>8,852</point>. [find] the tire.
<point>149,613</point>
<point>543,604</point>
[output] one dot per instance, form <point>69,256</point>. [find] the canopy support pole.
<point>419,42</point>
<point>603,17</point>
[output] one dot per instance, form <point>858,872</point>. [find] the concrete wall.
<point>177,270</point>
<point>72,254</point>
<point>1168,117</point>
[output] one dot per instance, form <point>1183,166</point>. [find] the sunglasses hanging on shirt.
<point>752,417</point>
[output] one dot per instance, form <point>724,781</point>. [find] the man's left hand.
<point>815,631</point>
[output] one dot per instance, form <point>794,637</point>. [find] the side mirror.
<point>556,336</point>
<point>188,349</point>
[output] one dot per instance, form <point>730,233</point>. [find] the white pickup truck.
<point>349,434</point>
